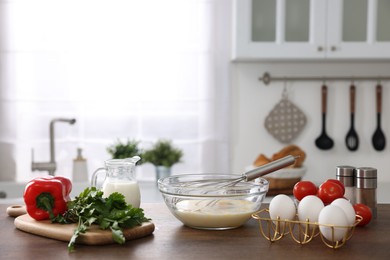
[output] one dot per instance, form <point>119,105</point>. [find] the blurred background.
<point>189,71</point>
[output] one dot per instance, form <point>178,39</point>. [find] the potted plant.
<point>163,155</point>
<point>123,150</point>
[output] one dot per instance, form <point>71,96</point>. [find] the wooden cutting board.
<point>64,232</point>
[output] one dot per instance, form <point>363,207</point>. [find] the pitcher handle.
<point>95,175</point>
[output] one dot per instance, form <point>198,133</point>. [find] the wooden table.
<point>171,240</point>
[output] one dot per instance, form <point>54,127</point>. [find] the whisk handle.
<point>269,167</point>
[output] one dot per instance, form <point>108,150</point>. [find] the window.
<point>123,69</point>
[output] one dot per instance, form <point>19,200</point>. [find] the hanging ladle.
<point>324,142</point>
<point>352,138</point>
<point>378,139</point>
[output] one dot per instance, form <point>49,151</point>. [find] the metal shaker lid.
<point>345,171</point>
<point>366,177</point>
<point>345,174</point>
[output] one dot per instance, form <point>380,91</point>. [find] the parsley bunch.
<point>109,213</point>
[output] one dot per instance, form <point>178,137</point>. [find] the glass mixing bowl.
<point>211,201</point>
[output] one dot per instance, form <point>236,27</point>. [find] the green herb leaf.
<point>117,235</point>
<point>81,228</point>
<point>91,208</point>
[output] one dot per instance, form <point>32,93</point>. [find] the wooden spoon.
<point>352,138</point>
<point>378,139</point>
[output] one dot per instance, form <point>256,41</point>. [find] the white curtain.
<point>124,69</point>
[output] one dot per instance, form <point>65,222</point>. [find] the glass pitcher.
<point>119,177</point>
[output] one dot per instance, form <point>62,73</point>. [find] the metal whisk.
<point>261,171</point>
<point>225,184</point>
<point>247,176</point>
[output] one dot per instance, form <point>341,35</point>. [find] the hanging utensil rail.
<point>267,78</point>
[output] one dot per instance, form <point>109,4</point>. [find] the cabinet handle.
<point>320,48</point>
<point>333,48</point>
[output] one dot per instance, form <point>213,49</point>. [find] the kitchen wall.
<point>252,101</point>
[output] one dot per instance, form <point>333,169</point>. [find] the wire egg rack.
<point>302,232</point>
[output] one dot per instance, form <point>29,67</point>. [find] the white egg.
<point>348,209</point>
<point>335,216</point>
<point>282,206</point>
<point>309,209</point>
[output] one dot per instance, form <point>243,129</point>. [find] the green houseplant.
<point>163,155</point>
<point>122,150</point>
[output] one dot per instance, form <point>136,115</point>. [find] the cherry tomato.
<point>329,191</point>
<point>339,183</point>
<point>304,188</point>
<point>363,211</point>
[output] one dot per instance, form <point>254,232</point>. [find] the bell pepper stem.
<point>45,201</point>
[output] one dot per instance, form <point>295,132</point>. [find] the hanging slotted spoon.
<point>352,138</point>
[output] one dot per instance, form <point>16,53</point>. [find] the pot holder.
<point>285,121</point>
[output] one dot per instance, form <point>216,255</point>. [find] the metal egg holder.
<point>301,232</point>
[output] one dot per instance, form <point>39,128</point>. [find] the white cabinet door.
<point>279,29</point>
<point>311,29</point>
<point>358,29</point>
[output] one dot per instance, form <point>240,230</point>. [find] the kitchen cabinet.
<point>311,29</point>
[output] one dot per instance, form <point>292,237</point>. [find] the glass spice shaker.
<point>346,175</point>
<point>366,184</point>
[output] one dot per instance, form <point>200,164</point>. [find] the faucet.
<point>50,166</point>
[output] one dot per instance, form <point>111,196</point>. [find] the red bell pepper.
<point>47,197</point>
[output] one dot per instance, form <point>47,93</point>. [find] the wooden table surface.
<point>171,240</point>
